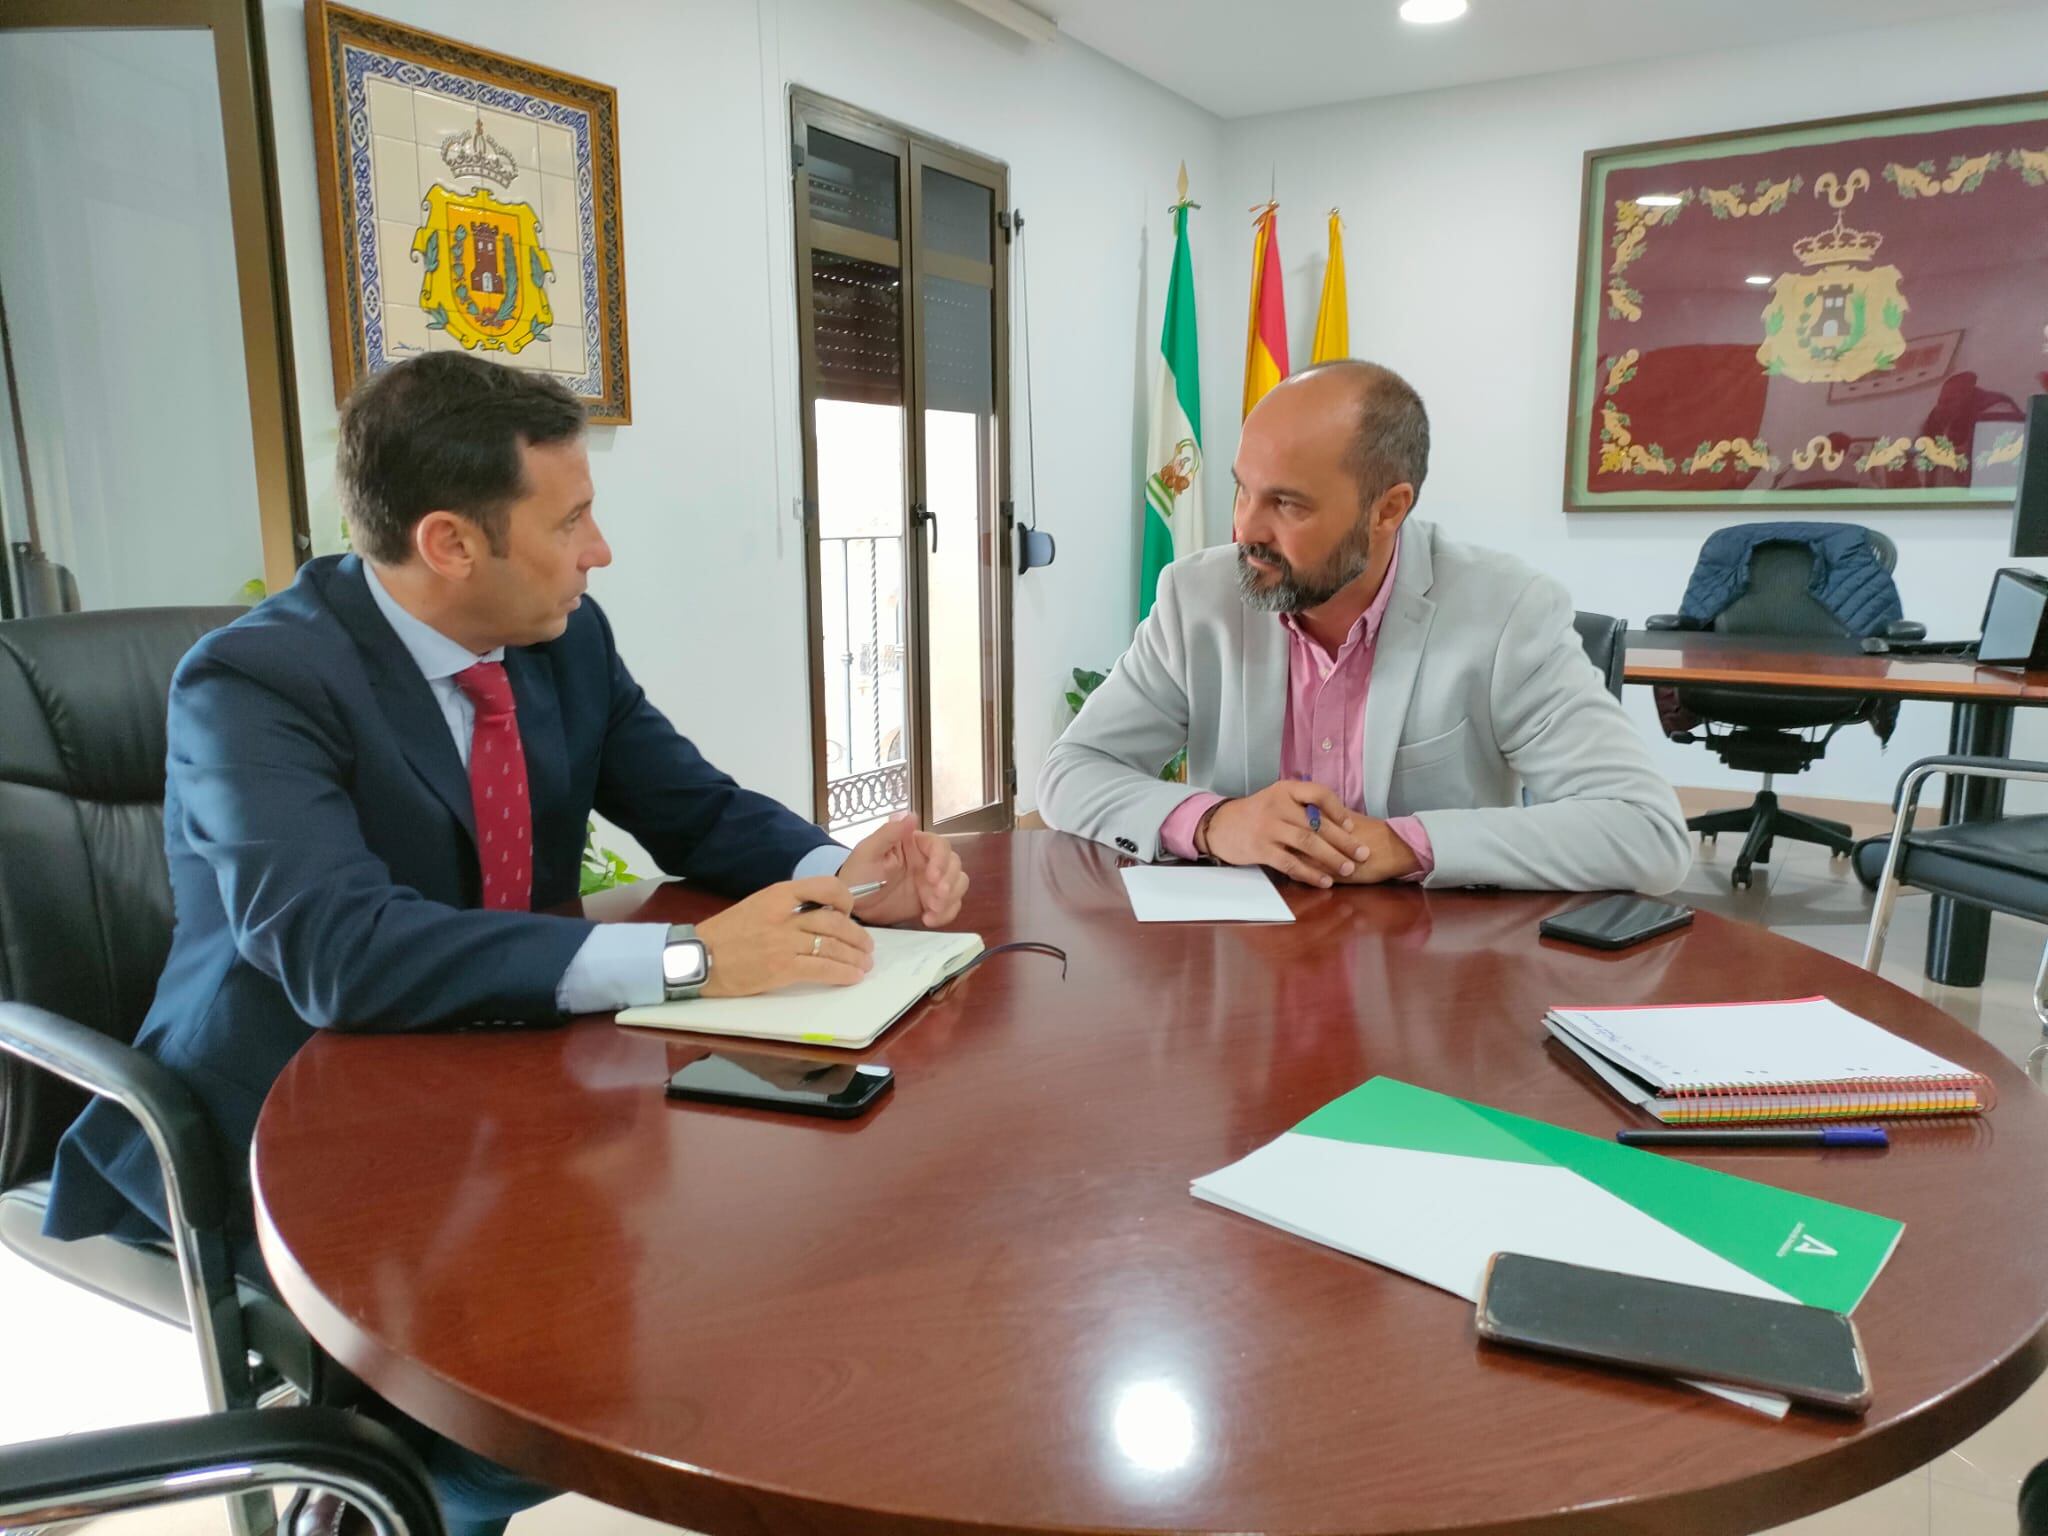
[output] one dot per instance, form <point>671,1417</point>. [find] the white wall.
<point>1462,211</point>
<point>696,497</point>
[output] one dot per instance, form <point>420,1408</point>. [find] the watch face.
<point>682,963</point>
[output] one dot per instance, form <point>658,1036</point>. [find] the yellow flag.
<point>1333,321</point>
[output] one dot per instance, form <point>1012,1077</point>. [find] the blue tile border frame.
<point>361,48</point>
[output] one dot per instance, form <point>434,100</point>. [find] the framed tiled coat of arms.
<point>468,201</point>
<point>1843,314</point>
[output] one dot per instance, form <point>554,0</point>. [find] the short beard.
<point>1295,592</point>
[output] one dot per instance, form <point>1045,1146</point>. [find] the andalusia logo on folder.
<point>1433,1186</point>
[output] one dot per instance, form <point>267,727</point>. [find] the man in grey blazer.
<point>1362,697</point>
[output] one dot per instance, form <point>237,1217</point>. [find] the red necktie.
<point>497,789</point>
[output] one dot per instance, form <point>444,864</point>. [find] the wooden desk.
<point>1980,723</point>
<point>992,1305</point>
<point>1821,666</point>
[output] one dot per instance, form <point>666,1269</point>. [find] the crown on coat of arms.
<point>1839,244</point>
<point>476,153</point>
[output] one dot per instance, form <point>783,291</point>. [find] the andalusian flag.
<point>1265,347</point>
<point>1333,318</point>
<point>1173,500</point>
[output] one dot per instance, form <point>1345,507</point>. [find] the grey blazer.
<point>1480,689</point>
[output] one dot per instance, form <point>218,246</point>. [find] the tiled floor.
<point>68,1362</point>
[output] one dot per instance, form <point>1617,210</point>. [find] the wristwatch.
<point>685,964</point>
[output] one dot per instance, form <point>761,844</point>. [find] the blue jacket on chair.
<point>323,861</point>
<point>1847,579</point>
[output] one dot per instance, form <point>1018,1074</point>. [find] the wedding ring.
<point>817,942</point>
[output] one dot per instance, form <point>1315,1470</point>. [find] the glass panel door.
<point>900,305</point>
<point>856,390</point>
<point>960,490</point>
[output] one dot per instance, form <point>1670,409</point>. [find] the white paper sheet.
<point>1203,893</point>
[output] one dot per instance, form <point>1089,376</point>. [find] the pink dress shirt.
<point>1324,736</point>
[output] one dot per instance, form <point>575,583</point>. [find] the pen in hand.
<point>1315,813</point>
<point>867,889</point>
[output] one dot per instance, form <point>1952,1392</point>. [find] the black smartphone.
<point>1808,1354</point>
<point>802,1085</point>
<point>1615,922</point>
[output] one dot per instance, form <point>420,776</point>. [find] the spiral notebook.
<point>1804,1059</point>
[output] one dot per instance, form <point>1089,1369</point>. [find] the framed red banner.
<point>1839,314</point>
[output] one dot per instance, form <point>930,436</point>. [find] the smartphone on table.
<point>1615,922</point>
<point>802,1085</point>
<point>1808,1354</point>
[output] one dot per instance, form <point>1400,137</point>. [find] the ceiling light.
<point>1758,280</point>
<point>1659,200</point>
<point>1426,13</point>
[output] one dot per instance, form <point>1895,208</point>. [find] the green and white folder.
<point>1434,1186</point>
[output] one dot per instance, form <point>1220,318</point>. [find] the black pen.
<point>1718,1136</point>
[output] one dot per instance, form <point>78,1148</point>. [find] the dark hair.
<point>1391,444</point>
<point>443,433</point>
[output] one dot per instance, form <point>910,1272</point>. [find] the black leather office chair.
<point>242,1455</point>
<point>85,924</point>
<point>2034,1502</point>
<point>1999,865</point>
<point>1603,638</point>
<point>1774,733</point>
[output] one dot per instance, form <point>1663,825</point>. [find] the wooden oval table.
<point>992,1304</point>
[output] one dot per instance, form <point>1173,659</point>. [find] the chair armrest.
<point>1907,801</point>
<point>1671,621</point>
<point>1918,773</point>
<point>196,1198</point>
<point>1905,629</point>
<point>141,1466</point>
<point>173,1119</point>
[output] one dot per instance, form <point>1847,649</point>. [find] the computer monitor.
<point>2030,506</point>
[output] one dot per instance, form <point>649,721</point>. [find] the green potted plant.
<point>1085,683</point>
<point>602,868</point>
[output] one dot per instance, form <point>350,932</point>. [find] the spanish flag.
<point>1333,317</point>
<point>1265,348</point>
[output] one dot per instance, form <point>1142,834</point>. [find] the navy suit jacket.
<point>323,859</point>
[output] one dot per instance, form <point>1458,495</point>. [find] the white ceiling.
<point>1240,58</point>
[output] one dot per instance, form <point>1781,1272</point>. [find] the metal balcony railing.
<point>867,776</point>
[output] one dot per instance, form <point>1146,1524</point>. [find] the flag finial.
<point>1181,188</point>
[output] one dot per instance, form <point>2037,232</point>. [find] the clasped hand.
<point>1335,846</point>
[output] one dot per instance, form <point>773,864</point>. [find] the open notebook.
<point>1808,1059</point>
<point>908,964</point>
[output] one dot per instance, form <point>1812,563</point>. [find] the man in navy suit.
<point>376,778</point>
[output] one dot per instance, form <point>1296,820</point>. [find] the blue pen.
<point>1315,815</point>
<point>1787,1136</point>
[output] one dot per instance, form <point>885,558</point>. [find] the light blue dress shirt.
<point>619,965</point>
